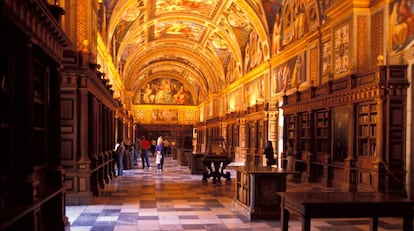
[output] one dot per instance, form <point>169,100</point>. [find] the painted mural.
<point>253,52</point>
<point>342,49</point>
<point>291,20</point>
<point>204,8</point>
<point>165,91</point>
<point>234,103</point>
<point>181,29</point>
<point>237,25</point>
<point>164,115</point>
<point>290,74</point>
<point>110,4</point>
<point>125,23</point>
<point>254,91</point>
<point>401,24</point>
<point>326,59</point>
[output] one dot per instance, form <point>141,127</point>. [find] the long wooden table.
<point>345,205</point>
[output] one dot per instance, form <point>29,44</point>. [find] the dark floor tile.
<point>227,216</point>
<point>147,204</point>
<point>148,218</point>
<point>167,209</point>
<point>188,217</point>
<point>338,228</point>
<point>83,222</point>
<point>192,226</point>
<point>128,217</point>
<point>110,212</point>
<point>216,227</point>
<point>102,228</point>
<point>105,224</point>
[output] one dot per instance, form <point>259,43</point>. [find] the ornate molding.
<point>36,20</point>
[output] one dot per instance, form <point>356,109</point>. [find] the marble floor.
<point>145,199</point>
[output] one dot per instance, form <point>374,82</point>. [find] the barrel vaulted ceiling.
<point>198,43</point>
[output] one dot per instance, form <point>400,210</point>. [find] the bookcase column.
<point>350,183</point>
<point>83,139</point>
<point>351,133</point>
<point>272,130</point>
<point>379,155</point>
<point>243,149</point>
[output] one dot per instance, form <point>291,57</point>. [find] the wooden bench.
<point>345,205</point>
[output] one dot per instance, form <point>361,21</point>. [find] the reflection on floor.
<point>176,200</point>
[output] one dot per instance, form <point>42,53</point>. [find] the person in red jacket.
<point>144,152</point>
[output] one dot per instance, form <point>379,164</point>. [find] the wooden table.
<point>256,190</point>
<point>345,205</point>
<point>215,166</point>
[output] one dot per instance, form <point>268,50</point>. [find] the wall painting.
<point>289,74</point>
<point>401,25</point>
<point>164,115</point>
<point>165,91</point>
<point>342,49</point>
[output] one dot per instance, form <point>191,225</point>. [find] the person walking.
<point>290,156</point>
<point>153,143</point>
<point>119,153</point>
<point>166,147</point>
<point>159,154</point>
<point>145,145</point>
<point>137,150</point>
<point>129,149</point>
<point>269,153</point>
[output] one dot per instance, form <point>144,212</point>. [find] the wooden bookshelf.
<point>291,128</point>
<point>366,129</point>
<point>304,132</point>
<point>322,131</point>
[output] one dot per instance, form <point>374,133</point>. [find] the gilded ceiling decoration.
<point>201,45</point>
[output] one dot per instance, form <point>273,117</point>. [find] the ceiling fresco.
<point>205,45</point>
<point>204,8</point>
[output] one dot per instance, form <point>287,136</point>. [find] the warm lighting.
<point>380,60</point>
<point>85,45</point>
<point>232,105</point>
<point>201,114</point>
<point>253,100</point>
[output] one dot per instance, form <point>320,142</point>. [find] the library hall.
<point>192,115</point>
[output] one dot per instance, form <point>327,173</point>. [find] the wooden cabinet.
<point>322,131</point>
<point>88,128</point>
<point>5,120</point>
<point>251,135</point>
<point>182,135</point>
<point>243,188</point>
<point>357,135</point>
<point>366,129</point>
<point>256,191</point>
<point>31,175</point>
<point>305,131</point>
<point>40,116</point>
<point>291,128</point>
